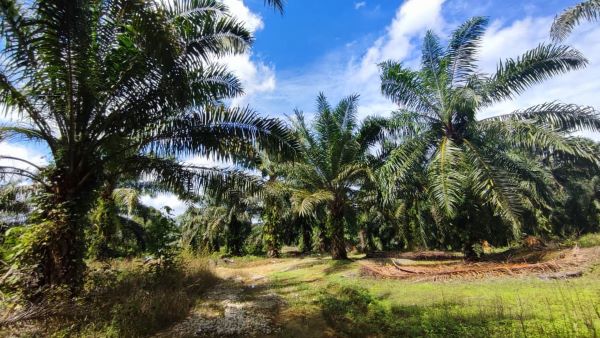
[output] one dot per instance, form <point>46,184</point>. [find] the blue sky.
<point>334,46</point>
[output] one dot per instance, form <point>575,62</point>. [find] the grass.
<point>334,299</point>
<point>125,298</point>
<point>325,298</point>
<point>589,240</point>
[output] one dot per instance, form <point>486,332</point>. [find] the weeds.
<point>128,299</point>
<point>589,240</point>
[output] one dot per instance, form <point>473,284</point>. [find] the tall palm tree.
<point>333,165</point>
<point>485,158</point>
<point>106,82</point>
<point>565,22</point>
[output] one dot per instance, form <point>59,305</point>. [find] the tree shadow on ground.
<point>338,266</point>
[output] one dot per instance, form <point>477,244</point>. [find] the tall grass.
<point>589,240</point>
<point>126,299</point>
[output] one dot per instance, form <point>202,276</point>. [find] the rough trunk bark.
<point>58,247</point>
<point>324,239</point>
<point>270,235</point>
<point>336,228</point>
<point>306,237</point>
<point>362,239</point>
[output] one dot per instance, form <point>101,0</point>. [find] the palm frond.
<point>494,186</point>
<point>404,87</point>
<point>564,23</point>
<point>513,76</point>
<point>276,4</point>
<point>557,116</point>
<point>446,176</point>
<point>305,203</point>
<point>462,48</point>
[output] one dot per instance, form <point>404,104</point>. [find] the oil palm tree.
<point>106,82</point>
<point>485,158</point>
<point>333,165</point>
<point>565,22</point>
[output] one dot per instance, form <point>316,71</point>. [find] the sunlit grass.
<point>496,307</point>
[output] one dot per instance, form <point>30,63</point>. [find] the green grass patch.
<point>589,240</point>
<point>353,306</point>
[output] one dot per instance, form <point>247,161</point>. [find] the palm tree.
<point>104,83</point>
<point>273,201</point>
<point>565,22</point>
<point>486,158</point>
<point>333,165</point>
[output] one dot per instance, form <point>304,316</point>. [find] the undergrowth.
<point>125,298</point>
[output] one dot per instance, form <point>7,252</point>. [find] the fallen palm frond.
<point>574,258</point>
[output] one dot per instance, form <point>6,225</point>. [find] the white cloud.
<point>161,201</point>
<point>239,10</point>
<point>256,76</point>
<point>412,19</point>
<point>579,87</point>
<point>359,5</point>
<point>23,152</point>
<point>339,75</point>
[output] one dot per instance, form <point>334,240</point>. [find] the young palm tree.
<point>104,83</point>
<point>485,158</point>
<point>565,22</point>
<point>334,164</point>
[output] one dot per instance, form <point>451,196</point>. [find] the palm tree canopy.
<point>101,81</point>
<point>437,122</point>
<point>334,153</point>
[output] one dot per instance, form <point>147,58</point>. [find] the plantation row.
<point>118,92</point>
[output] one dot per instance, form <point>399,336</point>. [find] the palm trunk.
<point>324,239</point>
<point>270,236</point>
<point>362,238</point>
<point>306,237</point>
<point>104,219</point>
<point>58,246</point>
<point>336,229</point>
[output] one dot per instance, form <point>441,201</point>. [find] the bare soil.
<point>550,264</point>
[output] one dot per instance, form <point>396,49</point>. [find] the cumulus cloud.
<point>256,76</point>
<point>23,152</point>
<point>580,87</point>
<point>359,5</point>
<point>338,75</point>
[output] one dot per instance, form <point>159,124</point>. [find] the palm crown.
<point>126,82</point>
<point>438,124</point>
<point>334,163</point>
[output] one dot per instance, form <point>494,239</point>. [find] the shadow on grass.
<point>354,312</point>
<point>338,266</point>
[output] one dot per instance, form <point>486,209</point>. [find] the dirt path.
<point>242,305</point>
<point>235,307</point>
